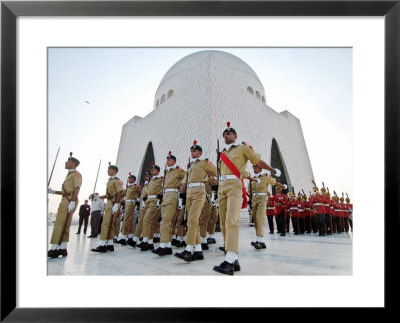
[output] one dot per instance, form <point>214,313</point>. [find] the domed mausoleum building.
<point>194,100</point>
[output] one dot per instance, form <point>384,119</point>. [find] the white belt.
<point>151,196</point>
<point>294,208</point>
<point>259,194</point>
<point>308,209</point>
<point>130,201</point>
<point>337,210</point>
<point>196,185</point>
<point>326,204</point>
<point>271,208</point>
<point>318,204</point>
<point>227,177</point>
<point>171,190</point>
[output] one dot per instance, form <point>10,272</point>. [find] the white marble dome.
<point>174,77</point>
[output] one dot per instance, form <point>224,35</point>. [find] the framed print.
<point>28,295</point>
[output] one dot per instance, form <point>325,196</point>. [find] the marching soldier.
<point>345,214</point>
<point>317,201</point>
<point>258,185</point>
<point>142,210</point>
<point>69,202</point>
<point>153,194</point>
<point>294,212</point>
<point>300,206</point>
<point>180,228</point>
<point>280,201</point>
<point>325,199</point>
<point>307,214</point>
<point>131,197</point>
<point>338,215</point>
<point>113,195</point>
<point>172,182</point>
<point>270,213</point>
<point>194,187</point>
<point>231,190</point>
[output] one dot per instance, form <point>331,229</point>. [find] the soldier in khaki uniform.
<point>69,203</point>
<point>194,188</point>
<point>180,228</point>
<point>230,193</point>
<point>172,182</point>
<point>113,195</point>
<point>259,188</point>
<point>153,192</point>
<point>131,197</point>
<point>206,212</point>
<point>142,211</point>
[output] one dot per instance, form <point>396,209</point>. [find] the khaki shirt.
<point>174,178</point>
<point>239,155</point>
<point>155,186</point>
<point>114,186</point>
<point>72,181</point>
<point>199,170</point>
<point>262,187</point>
<point>132,192</point>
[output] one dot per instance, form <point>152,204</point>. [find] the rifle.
<point>51,174</point>
<point>250,200</point>
<point>64,225</point>
<point>95,183</point>
<point>160,197</point>
<point>184,220</point>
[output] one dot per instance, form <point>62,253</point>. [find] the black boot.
<point>53,253</point>
<point>110,248</point>
<point>204,246</point>
<point>224,268</point>
<point>146,246</point>
<point>256,245</point>
<point>131,242</point>
<point>262,245</point>
<point>236,266</point>
<point>185,255</point>
<point>197,255</point>
<point>100,249</point>
<point>121,241</point>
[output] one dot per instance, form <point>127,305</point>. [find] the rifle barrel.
<point>94,189</point>
<point>51,174</point>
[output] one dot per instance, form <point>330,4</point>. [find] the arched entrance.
<point>146,163</point>
<point>278,162</point>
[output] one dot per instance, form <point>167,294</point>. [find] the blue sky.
<point>315,84</point>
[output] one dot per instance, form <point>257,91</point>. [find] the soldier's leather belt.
<point>66,194</point>
<point>259,194</point>
<point>171,190</point>
<point>196,185</point>
<point>151,196</point>
<point>227,177</point>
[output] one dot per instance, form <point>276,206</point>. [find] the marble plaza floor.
<point>305,254</point>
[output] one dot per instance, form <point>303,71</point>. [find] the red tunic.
<point>318,204</point>
<point>332,206</point>
<point>307,208</point>
<point>270,206</point>
<point>279,201</point>
<point>294,208</point>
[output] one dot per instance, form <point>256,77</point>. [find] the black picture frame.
<point>10,10</point>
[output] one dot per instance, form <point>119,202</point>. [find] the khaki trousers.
<point>151,216</point>
<point>259,204</point>
<point>213,220</point>
<point>108,224</point>
<point>168,212</point>
<point>194,203</point>
<point>62,213</point>
<point>139,226</point>
<point>230,203</point>
<point>205,216</point>
<point>180,229</point>
<point>127,223</point>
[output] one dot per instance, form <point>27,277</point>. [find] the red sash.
<point>235,172</point>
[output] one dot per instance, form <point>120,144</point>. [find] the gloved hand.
<point>214,199</point>
<point>143,204</point>
<point>71,206</point>
<point>158,203</point>
<point>180,204</point>
<point>278,172</point>
<point>50,191</point>
<point>115,208</point>
<point>284,186</point>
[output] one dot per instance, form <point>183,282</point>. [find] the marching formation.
<point>185,208</point>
